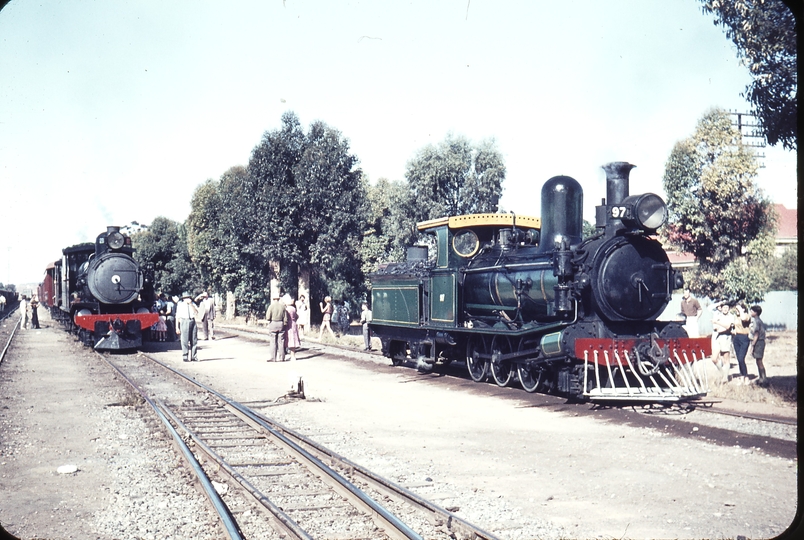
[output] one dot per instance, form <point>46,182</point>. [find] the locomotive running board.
<point>620,375</point>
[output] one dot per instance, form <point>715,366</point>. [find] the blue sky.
<point>112,112</point>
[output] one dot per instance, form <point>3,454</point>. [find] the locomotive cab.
<point>461,241</point>
<point>425,293</point>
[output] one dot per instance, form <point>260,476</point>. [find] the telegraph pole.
<point>749,127</point>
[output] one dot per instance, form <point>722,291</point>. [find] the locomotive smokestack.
<point>617,174</point>
<point>562,213</point>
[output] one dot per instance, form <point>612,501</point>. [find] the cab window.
<point>466,243</point>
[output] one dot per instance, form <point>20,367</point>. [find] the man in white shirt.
<point>185,325</point>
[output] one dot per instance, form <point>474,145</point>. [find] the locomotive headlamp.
<point>115,240</point>
<point>647,211</point>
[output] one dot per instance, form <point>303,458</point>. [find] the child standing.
<point>756,334</point>
<point>161,327</point>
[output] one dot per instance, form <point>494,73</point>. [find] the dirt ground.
<point>594,480</point>
<point>781,363</point>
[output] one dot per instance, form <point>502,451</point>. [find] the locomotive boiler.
<point>528,298</point>
<point>101,292</point>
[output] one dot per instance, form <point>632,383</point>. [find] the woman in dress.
<point>304,315</point>
<point>292,341</point>
<point>326,310</point>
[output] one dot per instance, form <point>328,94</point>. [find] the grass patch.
<point>781,365</point>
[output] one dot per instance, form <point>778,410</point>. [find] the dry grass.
<point>344,340</point>
<point>781,365</point>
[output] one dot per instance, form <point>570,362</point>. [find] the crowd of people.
<point>180,317</point>
<point>734,328</point>
<point>287,320</point>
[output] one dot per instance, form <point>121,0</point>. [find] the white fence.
<point>779,311</point>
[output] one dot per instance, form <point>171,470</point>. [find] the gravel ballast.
<point>515,470</point>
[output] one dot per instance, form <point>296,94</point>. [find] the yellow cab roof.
<point>479,220</point>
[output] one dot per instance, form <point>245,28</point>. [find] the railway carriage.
<point>10,303</point>
<point>528,299</point>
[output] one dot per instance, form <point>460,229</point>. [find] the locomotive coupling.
<point>650,357</point>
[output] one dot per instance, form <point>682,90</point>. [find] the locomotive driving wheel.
<point>502,372</point>
<point>530,376</point>
<point>478,367</point>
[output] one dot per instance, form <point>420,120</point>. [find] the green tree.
<point>235,255</point>
<point>588,229</point>
<point>455,177</point>
<point>784,270</point>
<point>164,244</point>
<point>764,32</point>
<point>390,226</point>
<point>202,231</point>
<point>717,212</point>
<point>305,200</point>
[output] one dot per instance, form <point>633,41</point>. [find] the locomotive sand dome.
<point>525,286</point>
<point>529,298</point>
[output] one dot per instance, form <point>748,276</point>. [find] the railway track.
<point>714,409</point>
<point>7,313</point>
<point>698,419</point>
<point>266,480</point>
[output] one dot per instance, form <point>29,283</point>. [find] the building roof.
<point>680,260</point>
<point>787,225</point>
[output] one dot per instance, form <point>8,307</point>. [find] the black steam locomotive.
<point>529,298</point>
<point>101,292</point>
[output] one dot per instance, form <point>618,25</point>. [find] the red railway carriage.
<point>47,290</point>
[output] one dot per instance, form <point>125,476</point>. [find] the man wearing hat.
<point>277,317</point>
<point>207,307</point>
<point>185,325</point>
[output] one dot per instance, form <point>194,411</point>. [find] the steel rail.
<point>710,406</point>
<point>784,421</point>
<point>10,309</point>
<point>284,521</point>
<point>10,339</point>
<point>452,521</point>
<point>392,524</point>
<point>385,485</point>
<point>229,523</point>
